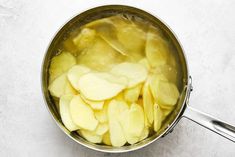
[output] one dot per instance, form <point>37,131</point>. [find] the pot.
<point>182,110</point>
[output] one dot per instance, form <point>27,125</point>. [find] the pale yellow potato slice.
<point>96,105</point>
<point>102,128</point>
<point>61,86</point>
<point>84,39</point>
<point>60,64</point>
<point>168,71</point>
<point>75,73</point>
<point>148,102</point>
<point>82,114</point>
<point>90,136</point>
<point>166,112</point>
<point>96,88</point>
<point>154,82</point>
<point>135,73</point>
<point>144,134</point>
<point>156,48</point>
<point>115,108</point>
<point>132,94</point>
<point>106,139</point>
<point>101,115</point>
<point>65,113</point>
<point>100,56</point>
<point>158,115</point>
<point>132,122</point>
<point>145,63</point>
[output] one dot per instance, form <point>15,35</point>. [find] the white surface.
<point>206,29</point>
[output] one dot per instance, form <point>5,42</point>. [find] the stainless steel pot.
<point>182,109</point>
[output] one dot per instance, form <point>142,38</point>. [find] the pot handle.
<point>218,126</point>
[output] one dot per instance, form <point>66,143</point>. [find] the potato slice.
<point>132,122</point>
<point>84,39</point>
<point>166,112</point>
<point>65,113</point>
<point>154,82</point>
<point>101,129</point>
<point>144,134</point>
<point>90,136</point>
<point>96,88</point>
<point>168,71</point>
<point>101,115</point>
<point>157,117</point>
<point>148,102</point>
<point>61,64</point>
<point>106,139</point>
<point>75,73</point>
<point>156,48</point>
<point>132,94</point>
<point>61,86</point>
<point>145,63</point>
<point>96,105</point>
<point>135,73</point>
<point>82,115</point>
<point>115,108</point>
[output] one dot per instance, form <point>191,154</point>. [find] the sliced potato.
<point>96,105</point>
<point>156,50</point>
<point>166,112</point>
<point>82,115</point>
<point>75,73</point>
<point>84,39</point>
<point>65,113</point>
<point>157,117</point>
<point>101,115</point>
<point>96,88</point>
<point>117,136</point>
<point>148,102</point>
<point>154,82</point>
<point>91,136</point>
<point>61,86</point>
<point>106,139</point>
<point>61,64</point>
<point>101,129</point>
<point>144,134</point>
<point>145,63</point>
<point>132,94</point>
<point>168,71</point>
<point>135,73</point>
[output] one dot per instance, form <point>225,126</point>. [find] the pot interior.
<point>102,12</point>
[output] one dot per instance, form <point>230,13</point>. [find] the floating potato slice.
<point>115,108</point>
<point>132,94</point>
<point>96,88</point>
<point>166,112</point>
<point>133,38</point>
<point>106,139</point>
<point>132,122</point>
<point>96,105</point>
<point>148,102</point>
<point>101,129</point>
<point>101,115</point>
<point>145,63</point>
<point>82,115</point>
<point>168,71</point>
<point>100,56</point>
<point>167,93</point>
<point>158,115</point>
<point>135,73</point>
<point>75,73</point>
<point>65,113</point>
<point>60,64</point>
<point>154,82</point>
<point>61,86</point>
<point>90,136</point>
<point>144,134</point>
<point>156,49</point>
<point>84,39</point>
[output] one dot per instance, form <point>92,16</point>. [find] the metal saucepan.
<point>182,109</point>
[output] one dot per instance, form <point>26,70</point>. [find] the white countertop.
<point>206,29</point>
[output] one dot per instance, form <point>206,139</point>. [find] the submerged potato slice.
<point>157,117</point>
<point>61,86</point>
<point>117,136</point>
<point>106,139</point>
<point>156,49</point>
<point>101,129</point>
<point>154,82</point>
<point>84,39</point>
<point>96,88</point>
<point>82,115</point>
<point>135,73</point>
<point>60,64</point>
<point>145,63</point>
<point>132,94</point>
<point>90,136</point>
<point>168,71</point>
<point>148,102</point>
<point>75,73</point>
<point>65,113</point>
<point>144,134</point>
